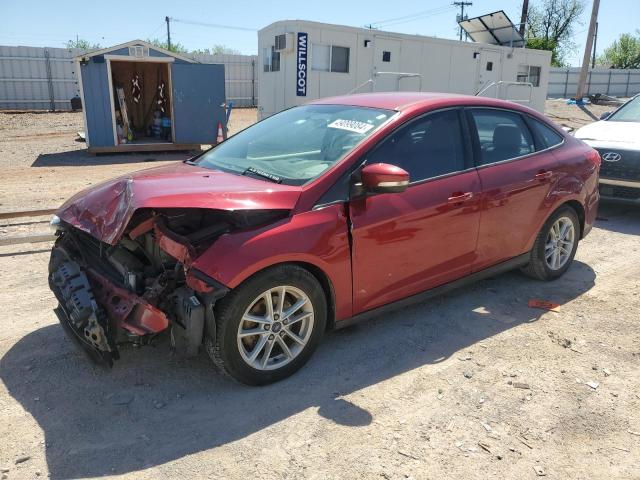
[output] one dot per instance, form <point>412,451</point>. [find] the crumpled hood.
<point>610,134</point>
<point>105,210</point>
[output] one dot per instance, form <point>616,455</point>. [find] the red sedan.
<point>316,217</point>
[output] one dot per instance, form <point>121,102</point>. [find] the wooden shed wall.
<point>95,86</point>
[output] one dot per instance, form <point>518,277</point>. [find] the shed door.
<point>198,95</point>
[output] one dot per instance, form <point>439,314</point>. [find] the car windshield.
<point>297,145</point>
<point>629,112</point>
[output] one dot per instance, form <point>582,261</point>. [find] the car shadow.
<point>81,158</point>
<point>618,217</point>
<point>152,407</point>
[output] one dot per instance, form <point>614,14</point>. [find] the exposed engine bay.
<point>144,284</point>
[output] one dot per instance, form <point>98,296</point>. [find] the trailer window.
<point>340,59</point>
<point>270,59</point>
<point>529,74</point>
<point>329,58</point>
<point>320,57</point>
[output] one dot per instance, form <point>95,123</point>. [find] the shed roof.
<point>104,51</point>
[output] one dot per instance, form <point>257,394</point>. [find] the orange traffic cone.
<point>220,137</point>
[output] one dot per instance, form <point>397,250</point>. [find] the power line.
<point>211,25</point>
<point>419,18</point>
<point>154,32</point>
<point>414,16</point>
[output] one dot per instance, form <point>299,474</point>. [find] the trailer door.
<point>489,71</point>
<point>386,62</point>
<point>198,96</point>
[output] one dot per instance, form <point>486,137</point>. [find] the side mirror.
<point>605,115</point>
<point>384,178</point>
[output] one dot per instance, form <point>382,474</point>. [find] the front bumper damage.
<point>78,312</point>
<point>108,297</point>
<point>96,313</point>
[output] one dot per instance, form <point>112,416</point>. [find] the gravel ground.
<point>43,163</point>
<point>473,384</point>
<point>573,116</point>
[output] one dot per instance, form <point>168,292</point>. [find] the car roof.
<point>401,101</point>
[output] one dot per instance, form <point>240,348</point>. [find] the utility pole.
<point>523,17</point>
<point>587,51</point>
<point>167,19</point>
<point>595,45</point>
<point>461,17</point>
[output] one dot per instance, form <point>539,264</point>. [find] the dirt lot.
<point>474,384</point>
<point>43,163</point>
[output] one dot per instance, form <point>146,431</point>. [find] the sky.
<point>52,22</point>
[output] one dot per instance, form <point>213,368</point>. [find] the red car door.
<point>404,243</point>
<point>516,182</point>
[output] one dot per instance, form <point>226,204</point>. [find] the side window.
<point>329,58</point>
<point>426,148</point>
<point>502,135</point>
<point>550,137</point>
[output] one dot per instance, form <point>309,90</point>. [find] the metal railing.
<point>502,90</point>
<point>399,76</point>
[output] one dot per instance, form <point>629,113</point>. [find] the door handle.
<point>542,176</point>
<point>460,197</point>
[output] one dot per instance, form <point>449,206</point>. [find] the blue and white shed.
<point>139,97</point>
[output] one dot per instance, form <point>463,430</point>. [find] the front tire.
<point>269,326</point>
<point>555,246</point>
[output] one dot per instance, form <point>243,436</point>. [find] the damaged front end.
<point>144,284</point>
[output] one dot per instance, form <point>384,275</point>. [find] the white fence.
<point>35,78</point>
<point>563,82</point>
<point>241,77</point>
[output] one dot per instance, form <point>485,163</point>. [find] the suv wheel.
<point>555,245</point>
<point>268,327</point>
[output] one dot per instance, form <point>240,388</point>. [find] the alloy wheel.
<point>275,328</point>
<point>560,243</point>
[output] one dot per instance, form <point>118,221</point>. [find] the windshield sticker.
<point>262,173</point>
<point>351,125</point>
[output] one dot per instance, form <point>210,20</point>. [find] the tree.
<point>545,44</point>
<point>82,44</point>
<point>218,49</point>
<point>551,25</point>
<point>175,47</point>
<point>623,53</point>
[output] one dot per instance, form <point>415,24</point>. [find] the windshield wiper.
<point>263,174</point>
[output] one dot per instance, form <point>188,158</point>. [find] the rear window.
<point>550,137</point>
<point>503,135</point>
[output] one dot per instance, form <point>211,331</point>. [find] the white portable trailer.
<point>303,61</point>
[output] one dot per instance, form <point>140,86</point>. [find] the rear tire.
<point>555,246</point>
<point>286,334</point>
